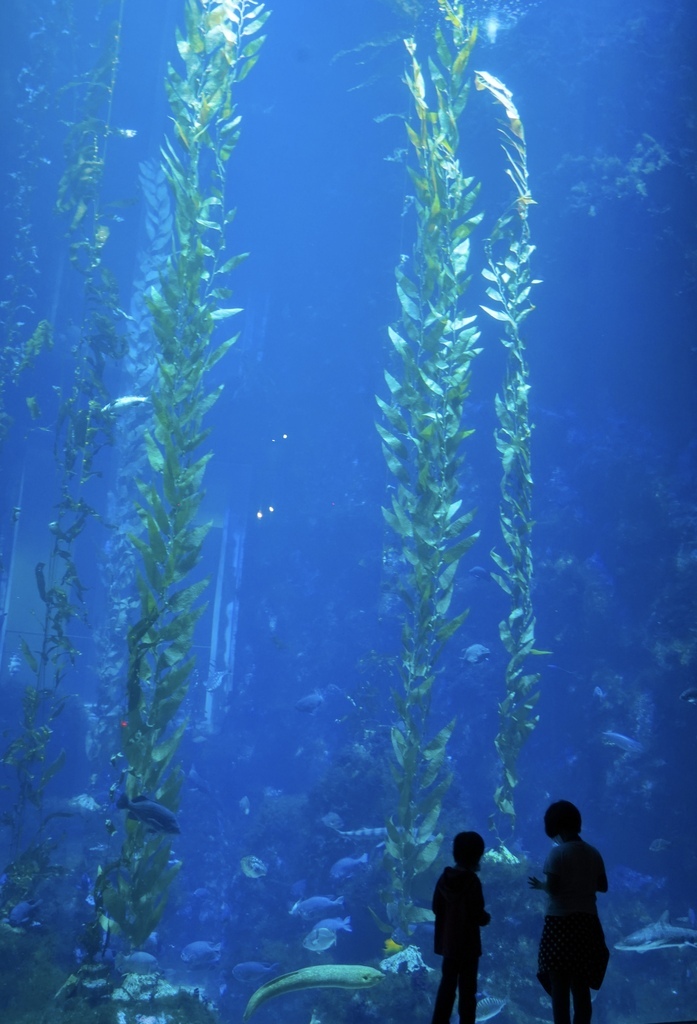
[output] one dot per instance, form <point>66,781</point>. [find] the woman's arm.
<point>551,885</point>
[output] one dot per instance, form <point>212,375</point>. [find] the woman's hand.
<point>535,883</point>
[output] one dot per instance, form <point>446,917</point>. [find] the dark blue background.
<point>612,350</point>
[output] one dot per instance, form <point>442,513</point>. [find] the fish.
<point>23,913</point>
<point>347,866</point>
<point>310,703</point>
<point>690,695</point>
<point>201,954</point>
<point>332,820</point>
<point>659,935</point>
<point>156,817</point>
<point>476,653</point>
<point>618,739</point>
<point>320,939</point>
<point>198,783</point>
<point>137,963</point>
<point>315,906</point>
<point>488,1007</point>
<point>479,572</point>
<point>83,802</point>
<point>252,970</point>
<point>659,844</point>
<point>391,947</point>
<point>363,833</point>
<point>123,403</point>
<point>629,880</point>
<point>335,924</point>
<point>350,976</point>
<point>40,580</point>
<point>253,867</point>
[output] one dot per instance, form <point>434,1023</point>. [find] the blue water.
<point>304,561</point>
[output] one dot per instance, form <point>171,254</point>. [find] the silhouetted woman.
<point>573,955</point>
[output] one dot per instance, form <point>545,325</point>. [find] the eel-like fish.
<point>321,976</point>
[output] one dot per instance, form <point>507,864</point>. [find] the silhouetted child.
<point>458,903</point>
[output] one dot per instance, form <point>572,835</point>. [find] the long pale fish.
<point>321,976</point>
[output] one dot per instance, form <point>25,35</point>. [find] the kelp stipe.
<point>510,281</point>
<point>138,373</point>
<point>422,443</point>
<point>219,48</point>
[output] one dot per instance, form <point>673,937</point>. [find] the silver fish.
<point>335,924</point>
<point>123,403</point>
<point>659,935</point>
<point>347,866</point>
<point>320,939</point>
<point>315,906</point>
<point>201,954</point>
<point>252,970</point>
<point>488,1007</point>
<point>618,739</point>
<point>137,963</point>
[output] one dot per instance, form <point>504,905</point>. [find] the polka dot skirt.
<point>573,945</point>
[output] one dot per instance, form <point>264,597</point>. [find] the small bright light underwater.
<point>491,27</point>
<point>498,17</point>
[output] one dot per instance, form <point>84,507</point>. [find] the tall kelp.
<point>218,47</point>
<point>509,285</point>
<point>23,336</point>
<point>82,428</point>
<point>138,373</point>
<point>422,443</point>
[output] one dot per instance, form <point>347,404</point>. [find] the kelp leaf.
<point>497,314</point>
<point>223,314</point>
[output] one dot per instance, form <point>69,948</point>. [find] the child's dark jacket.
<point>458,903</point>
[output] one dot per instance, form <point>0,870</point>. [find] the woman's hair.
<point>468,848</point>
<point>562,816</point>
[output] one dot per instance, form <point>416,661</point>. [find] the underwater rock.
<point>409,957</point>
<point>135,986</point>
<point>502,855</point>
<point>146,987</point>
